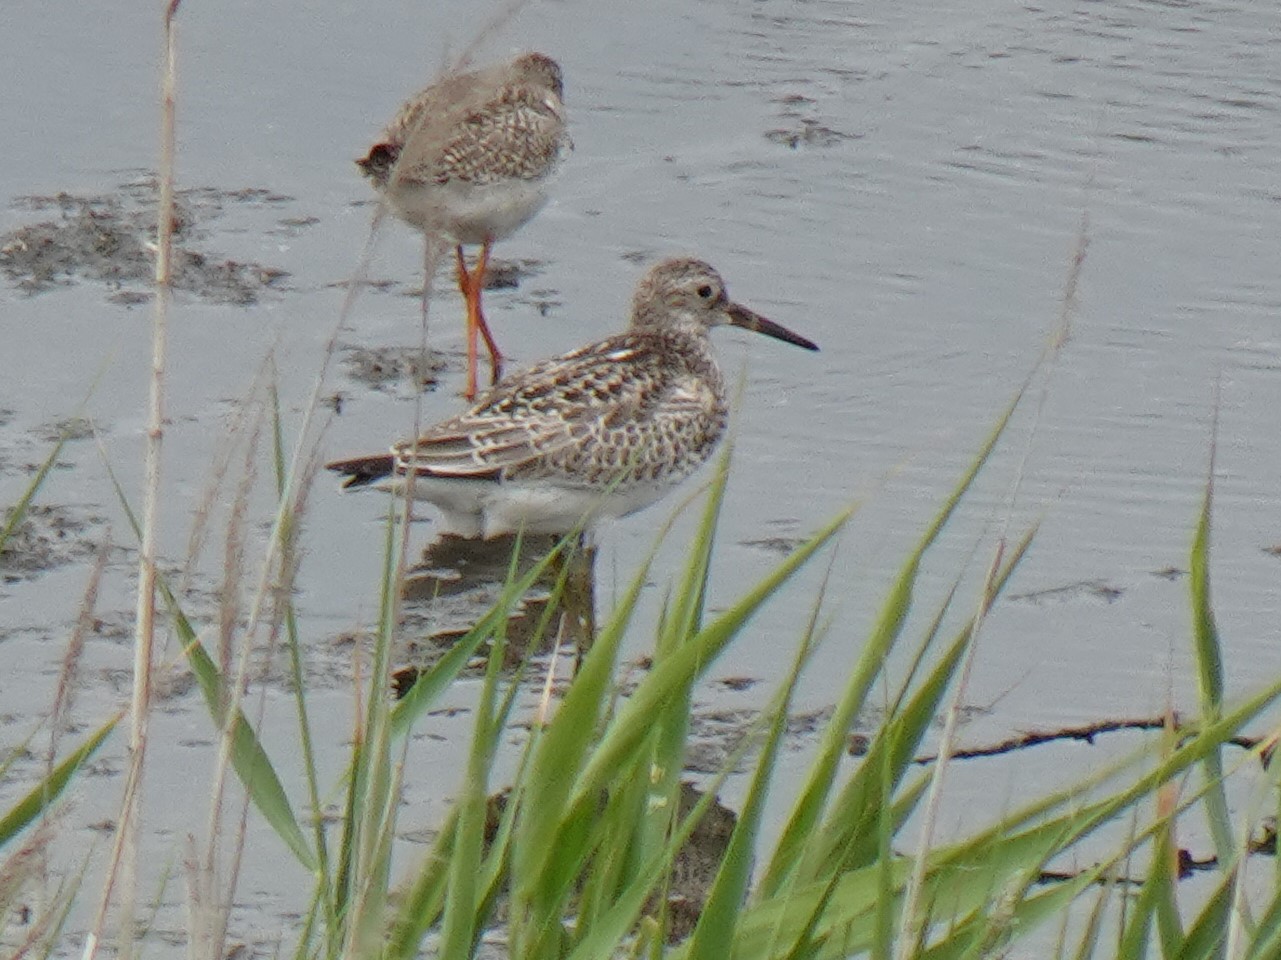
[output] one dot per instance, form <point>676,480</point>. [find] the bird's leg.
<point>426,280</point>
<point>478,279</point>
<point>578,599</point>
<point>468,287</point>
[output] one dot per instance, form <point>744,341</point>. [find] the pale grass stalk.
<point>18,870</point>
<point>59,716</point>
<point>70,670</point>
<point>1241,926</point>
<point>275,581</point>
<point>544,707</point>
<point>912,919</point>
<point>366,927</point>
<point>433,250</point>
<point>124,854</point>
<point>1167,801</point>
<point>292,497</point>
<point>493,26</point>
<point>214,909</point>
<point>223,459</point>
<point>293,491</point>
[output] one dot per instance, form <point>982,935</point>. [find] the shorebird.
<point>467,161</point>
<point>597,433</point>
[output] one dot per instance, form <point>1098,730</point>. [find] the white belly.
<point>483,508</point>
<point>468,214</point>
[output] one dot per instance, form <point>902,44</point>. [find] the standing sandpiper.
<point>468,160</point>
<point>600,432</point>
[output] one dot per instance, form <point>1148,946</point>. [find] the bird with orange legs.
<point>468,161</point>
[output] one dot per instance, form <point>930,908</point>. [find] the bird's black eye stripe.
<point>705,291</point>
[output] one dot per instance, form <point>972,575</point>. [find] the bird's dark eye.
<point>705,291</point>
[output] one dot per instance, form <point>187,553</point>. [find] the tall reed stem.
<point>124,857</point>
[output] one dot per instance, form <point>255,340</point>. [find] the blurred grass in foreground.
<point>578,860</point>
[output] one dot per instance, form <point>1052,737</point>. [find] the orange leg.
<point>478,278</point>
<point>467,287</point>
<point>470,284</point>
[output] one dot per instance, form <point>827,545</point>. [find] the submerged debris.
<point>800,129</point>
<point>1089,589</point>
<point>807,133</point>
<point>509,274</point>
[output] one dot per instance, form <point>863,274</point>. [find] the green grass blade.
<point>40,797</point>
<point>1208,935</point>
<point>555,761</point>
<point>807,810</point>
<point>1026,915</point>
<point>670,724</point>
<point>686,664</point>
<point>1266,942</point>
<point>1205,632</point>
<point>19,510</point>
<point>850,836</point>
<point>248,758</point>
<point>613,923</point>
<point>719,918</point>
<point>461,923</point>
<point>293,644</point>
<point>1209,660</point>
<point>433,682</point>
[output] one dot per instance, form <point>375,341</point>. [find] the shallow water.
<point>907,186</point>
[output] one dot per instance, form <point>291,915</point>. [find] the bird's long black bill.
<point>749,320</point>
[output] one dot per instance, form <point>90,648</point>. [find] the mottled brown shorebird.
<point>600,432</point>
<point>468,161</point>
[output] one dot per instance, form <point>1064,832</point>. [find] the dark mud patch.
<point>171,683</point>
<point>389,368</point>
<point>45,538</point>
<point>110,238</point>
<point>639,257</point>
<point>530,631</point>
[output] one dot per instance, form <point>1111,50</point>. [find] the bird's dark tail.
<point>378,163</point>
<point>361,471</point>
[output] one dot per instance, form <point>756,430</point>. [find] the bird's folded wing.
<point>568,402</point>
<point>519,135</point>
